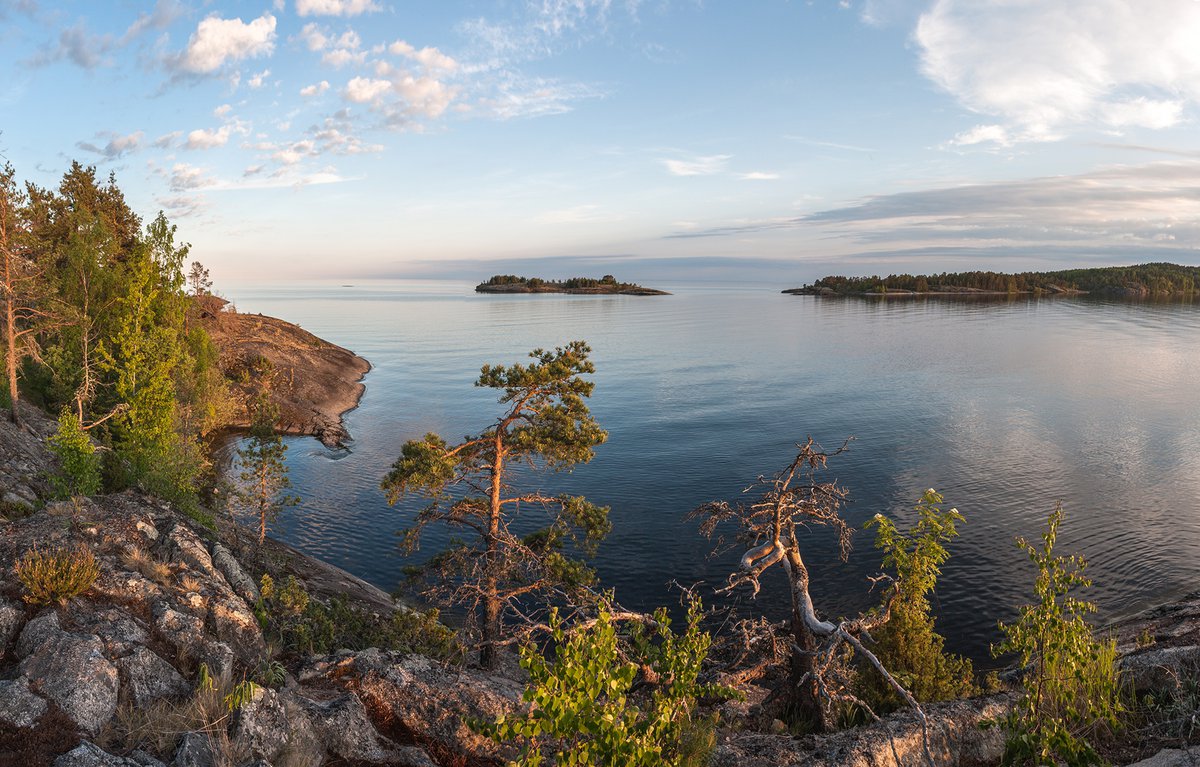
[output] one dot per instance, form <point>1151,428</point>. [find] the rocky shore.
<point>312,381</point>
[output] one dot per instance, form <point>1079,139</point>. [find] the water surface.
<point>1004,407</point>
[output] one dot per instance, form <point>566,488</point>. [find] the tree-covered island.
<point>1139,281</point>
<point>606,285</point>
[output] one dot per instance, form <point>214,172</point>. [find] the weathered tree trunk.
<point>804,691</point>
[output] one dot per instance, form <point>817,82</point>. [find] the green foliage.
<point>79,467</point>
<point>908,644</point>
<point>242,693</point>
<point>264,475</point>
<point>302,625</point>
<point>56,575</point>
<point>585,706</point>
<point>1072,688</point>
<point>546,425</point>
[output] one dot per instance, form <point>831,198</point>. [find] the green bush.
<point>584,707</point>
<point>908,644</point>
<point>56,575</point>
<point>1072,687</point>
<point>300,624</point>
<point>79,466</point>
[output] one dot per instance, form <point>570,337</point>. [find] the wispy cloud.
<point>1048,69</point>
<point>828,144</point>
<point>698,166</point>
<point>758,175</point>
<point>335,7</point>
<point>116,146</point>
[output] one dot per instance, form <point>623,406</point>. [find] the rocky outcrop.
<point>313,382</point>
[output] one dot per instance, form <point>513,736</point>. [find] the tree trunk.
<point>491,628</point>
<point>10,351</point>
<point>805,697</point>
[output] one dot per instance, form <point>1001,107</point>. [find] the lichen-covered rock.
<point>955,738</point>
<point>241,583</point>
<point>344,729</point>
<point>186,547</point>
<point>88,754</point>
<point>71,670</point>
<point>184,631</point>
<point>267,727</point>
<point>1171,757</point>
<point>194,750</point>
<point>1159,668</point>
<point>413,698</point>
<point>37,632</point>
<point>234,624</point>
<point>19,707</point>
<point>148,678</point>
<point>11,617</point>
<point>120,632</point>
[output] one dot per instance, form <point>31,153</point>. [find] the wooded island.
<point>606,285</point>
<point>1139,281</point>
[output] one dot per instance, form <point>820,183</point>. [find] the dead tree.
<point>787,502</point>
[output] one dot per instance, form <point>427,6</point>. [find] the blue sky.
<point>776,140</point>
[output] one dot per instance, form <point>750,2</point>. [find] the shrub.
<point>56,575</point>
<point>300,624</point>
<point>1072,689</point>
<point>79,466</point>
<point>584,705</point>
<point>908,644</point>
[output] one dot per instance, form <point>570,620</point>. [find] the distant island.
<point>1140,281</point>
<point>606,285</point>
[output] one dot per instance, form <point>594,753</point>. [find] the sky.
<point>709,140</point>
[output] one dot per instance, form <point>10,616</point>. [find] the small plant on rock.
<point>1072,688</point>
<point>586,708</point>
<point>56,575</point>
<point>79,466</point>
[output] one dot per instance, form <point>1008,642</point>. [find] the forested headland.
<point>511,283</point>
<point>1138,281</point>
<point>104,323</point>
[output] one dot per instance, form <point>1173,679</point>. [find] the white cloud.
<point>222,110</point>
<point>315,89</point>
<point>983,134</point>
<point>758,175</point>
<point>340,57</point>
<point>165,141</point>
<point>183,177</point>
<point>1046,68</point>
<point>257,81</point>
<point>116,146</point>
<point>217,41</point>
<point>313,37</point>
<point>430,58</point>
<point>335,7</point>
<point>700,166</point>
<point>182,205</point>
<point>363,90</point>
<point>208,139</point>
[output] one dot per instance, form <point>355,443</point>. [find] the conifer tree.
<point>264,474</point>
<point>545,424</point>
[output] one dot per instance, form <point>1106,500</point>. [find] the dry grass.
<point>142,561</point>
<point>158,727</point>
<point>56,575</point>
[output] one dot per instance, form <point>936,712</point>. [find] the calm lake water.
<point>1004,407</point>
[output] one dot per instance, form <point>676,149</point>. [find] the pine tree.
<point>546,424</point>
<point>264,474</point>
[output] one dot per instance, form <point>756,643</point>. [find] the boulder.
<point>186,547</point>
<point>12,615</point>
<point>344,729</point>
<point>1171,757</point>
<point>194,750</point>
<point>241,583</point>
<point>118,630</point>
<point>234,624</point>
<point>1160,668</point>
<point>38,632</point>
<point>71,670</point>
<point>19,707</point>
<point>411,698</point>
<point>184,631</point>
<point>148,678</point>
<point>88,754</point>
<point>268,728</point>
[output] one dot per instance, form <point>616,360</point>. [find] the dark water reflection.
<point>1005,407</point>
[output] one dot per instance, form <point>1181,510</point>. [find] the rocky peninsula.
<point>312,381</point>
<point>606,285</point>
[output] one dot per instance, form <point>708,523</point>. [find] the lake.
<point>1004,406</point>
